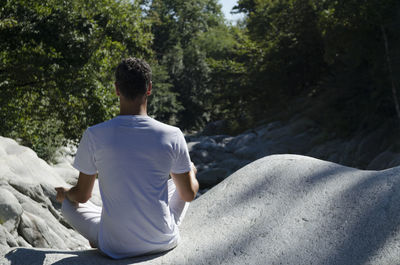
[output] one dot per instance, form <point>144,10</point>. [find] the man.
<point>133,156</point>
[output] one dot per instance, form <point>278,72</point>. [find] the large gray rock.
<point>384,160</point>
<point>6,239</point>
<point>365,150</point>
<point>210,178</point>
<point>37,233</point>
<point>282,209</point>
<point>10,210</point>
<point>29,213</point>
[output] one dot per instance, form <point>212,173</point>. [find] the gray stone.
<point>395,162</point>
<point>211,177</point>
<point>36,232</point>
<point>208,150</point>
<point>6,238</point>
<point>232,164</point>
<point>282,209</point>
<point>207,143</point>
<point>33,191</point>
<point>322,198</point>
<point>221,156</point>
<point>384,160</point>
<point>67,172</point>
<point>11,241</point>
<point>49,192</point>
<point>369,147</point>
<point>215,128</point>
<point>4,234</point>
<point>29,212</point>
<point>22,242</point>
<point>200,156</point>
<point>58,229</point>
<point>300,125</point>
<point>3,249</point>
<point>191,145</point>
<point>240,141</point>
<point>10,210</point>
<point>21,164</point>
<point>246,152</point>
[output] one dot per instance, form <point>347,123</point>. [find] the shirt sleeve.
<point>84,159</point>
<point>181,163</point>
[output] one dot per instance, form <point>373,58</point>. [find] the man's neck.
<point>141,113</point>
<point>135,107</point>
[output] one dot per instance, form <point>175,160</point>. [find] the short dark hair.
<point>132,77</point>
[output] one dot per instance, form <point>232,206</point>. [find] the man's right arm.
<point>186,184</point>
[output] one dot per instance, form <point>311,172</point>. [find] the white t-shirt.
<point>134,156</point>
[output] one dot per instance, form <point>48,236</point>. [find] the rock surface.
<point>29,213</point>
<point>218,156</point>
<point>281,209</point>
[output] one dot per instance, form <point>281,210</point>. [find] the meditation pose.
<point>133,156</point>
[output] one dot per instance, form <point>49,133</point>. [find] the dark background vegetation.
<point>335,61</point>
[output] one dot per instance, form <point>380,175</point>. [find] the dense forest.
<point>335,61</point>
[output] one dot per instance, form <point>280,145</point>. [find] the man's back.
<point>134,155</point>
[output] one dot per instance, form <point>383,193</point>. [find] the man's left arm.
<point>81,192</point>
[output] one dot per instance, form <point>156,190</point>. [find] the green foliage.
<point>57,62</point>
<point>355,54</point>
<point>180,31</point>
<point>228,73</point>
<point>290,47</point>
<point>330,50</point>
<point>163,104</point>
<point>179,21</point>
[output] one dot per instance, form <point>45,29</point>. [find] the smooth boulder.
<point>281,209</point>
<point>29,213</point>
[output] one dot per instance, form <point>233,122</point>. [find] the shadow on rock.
<point>21,256</point>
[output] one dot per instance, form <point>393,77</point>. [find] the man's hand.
<point>61,194</point>
<point>80,193</point>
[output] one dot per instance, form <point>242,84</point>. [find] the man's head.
<point>133,77</point>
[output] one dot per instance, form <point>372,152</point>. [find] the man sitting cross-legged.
<point>133,156</point>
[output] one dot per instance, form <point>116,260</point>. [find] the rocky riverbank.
<point>218,156</point>
<point>30,216</point>
<point>281,209</point>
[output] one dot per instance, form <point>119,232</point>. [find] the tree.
<point>177,26</point>
<point>56,66</point>
<point>330,48</point>
<point>163,104</point>
<point>356,56</point>
<point>290,47</point>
